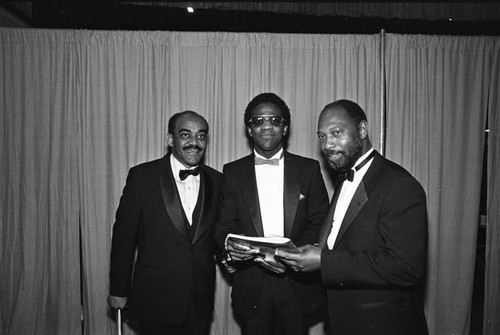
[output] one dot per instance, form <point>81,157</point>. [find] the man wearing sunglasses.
<point>271,192</point>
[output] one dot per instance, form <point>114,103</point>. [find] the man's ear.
<point>363,129</point>
<point>285,130</point>
<point>170,140</point>
<point>249,131</point>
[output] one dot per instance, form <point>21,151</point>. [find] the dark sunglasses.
<point>275,120</point>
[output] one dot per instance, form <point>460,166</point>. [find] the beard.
<point>345,159</point>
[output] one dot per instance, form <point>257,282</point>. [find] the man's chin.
<point>192,161</point>
<point>337,166</point>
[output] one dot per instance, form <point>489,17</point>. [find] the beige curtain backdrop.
<point>39,235</point>
<point>492,272</point>
<point>78,108</point>
<point>437,99</point>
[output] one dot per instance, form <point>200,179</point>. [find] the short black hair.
<point>172,123</point>
<point>269,98</point>
<point>355,112</point>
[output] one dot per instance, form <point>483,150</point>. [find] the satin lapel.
<point>171,198</point>
<point>207,201</point>
<point>358,201</point>
<point>291,194</point>
<point>251,194</point>
<point>326,229</point>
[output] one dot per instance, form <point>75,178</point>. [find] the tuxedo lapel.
<point>291,193</point>
<point>327,224</point>
<point>206,200</point>
<point>251,193</point>
<point>171,197</point>
<point>357,202</point>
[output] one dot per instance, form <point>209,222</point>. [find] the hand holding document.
<point>261,249</point>
<point>264,243</point>
<point>308,259</point>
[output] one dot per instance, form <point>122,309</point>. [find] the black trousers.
<point>194,324</point>
<point>191,326</point>
<point>278,312</point>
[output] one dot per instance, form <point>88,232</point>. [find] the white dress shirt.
<point>270,188</point>
<point>188,188</point>
<point>345,197</point>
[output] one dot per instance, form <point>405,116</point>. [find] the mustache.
<point>192,146</point>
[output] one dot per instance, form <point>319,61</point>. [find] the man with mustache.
<point>372,249</point>
<point>271,192</point>
<point>167,212</point>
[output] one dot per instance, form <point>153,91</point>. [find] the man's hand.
<point>309,258</point>
<point>227,266</point>
<point>271,263</point>
<point>117,302</point>
<point>240,252</point>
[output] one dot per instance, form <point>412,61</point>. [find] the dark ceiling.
<point>234,16</point>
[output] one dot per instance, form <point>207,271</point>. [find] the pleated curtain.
<point>78,108</point>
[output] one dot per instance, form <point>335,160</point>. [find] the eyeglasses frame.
<point>268,119</point>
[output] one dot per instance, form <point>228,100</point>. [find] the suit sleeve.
<point>124,239</point>
<point>317,207</point>
<point>400,258</point>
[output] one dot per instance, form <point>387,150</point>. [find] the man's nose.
<point>329,143</point>
<point>266,123</point>
<point>193,140</point>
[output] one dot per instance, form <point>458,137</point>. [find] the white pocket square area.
<point>301,196</point>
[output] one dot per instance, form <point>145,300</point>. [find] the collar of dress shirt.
<point>276,155</point>
<point>360,159</point>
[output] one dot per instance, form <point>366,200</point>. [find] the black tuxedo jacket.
<point>175,262</point>
<point>375,272</point>
<point>305,205</point>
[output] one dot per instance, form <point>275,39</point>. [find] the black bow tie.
<point>349,175</point>
<point>183,174</point>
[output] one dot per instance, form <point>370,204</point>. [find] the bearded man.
<point>372,249</point>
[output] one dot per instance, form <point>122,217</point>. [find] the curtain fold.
<point>437,93</point>
<point>492,268</point>
<point>39,216</point>
<point>120,124</point>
